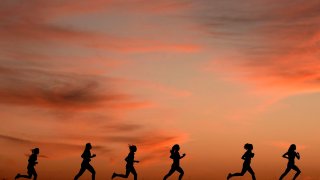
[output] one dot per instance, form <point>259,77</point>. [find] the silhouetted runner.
<point>85,165</point>
<point>31,163</point>
<point>247,156</point>
<point>129,167</point>
<point>291,155</point>
<point>175,155</point>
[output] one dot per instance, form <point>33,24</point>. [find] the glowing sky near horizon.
<point>209,75</point>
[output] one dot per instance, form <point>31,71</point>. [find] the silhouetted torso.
<point>247,156</point>
<point>32,160</point>
<point>291,157</point>
<point>86,155</point>
<point>176,158</point>
<point>130,159</point>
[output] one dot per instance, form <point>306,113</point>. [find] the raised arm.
<point>183,155</point>
<point>285,155</point>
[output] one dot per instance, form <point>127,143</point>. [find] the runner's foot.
<point>113,175</point>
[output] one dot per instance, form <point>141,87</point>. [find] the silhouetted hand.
<point>137,161</point>
<point>184,154</point>
<point>94,155</point>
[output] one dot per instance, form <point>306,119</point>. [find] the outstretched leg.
<point>285,173</point>
<point>93,172</point>
<point>122,175</point>
<point>252,173</point>
<point>31,171</point>
<point>297,173</point>
<point>24,176</point>
<point>80,173</point>
<point>243,171</point>
<point>180,170</point>
<point>29,176</point>
<point>172,170</point>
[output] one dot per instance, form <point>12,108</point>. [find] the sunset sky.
<point>210,75</point>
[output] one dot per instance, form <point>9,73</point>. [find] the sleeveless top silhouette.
<point>86,155</point>
<point>291,157</point>
<point>176,158</point>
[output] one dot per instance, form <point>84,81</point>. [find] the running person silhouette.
<point>247,156</point>
<point>32,161</point>
<point>175,155</point>
<point>85,165</point>
<point>129,167</point>
<point>291,155</point>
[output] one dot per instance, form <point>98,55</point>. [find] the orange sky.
<point>210,75</point>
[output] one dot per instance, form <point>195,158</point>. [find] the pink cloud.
<point>44,33</point>
<point>36,8</point>
<point>30,24</point>
<point>41,88</point>
<point>278,50</point>
<point>160,88</point>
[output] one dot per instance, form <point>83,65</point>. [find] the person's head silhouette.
<point>175,148</point>
<point>248,147</point>
<point>35,151</point>
<point>292,148</point>
<point>88,146</point>
<point>133,148</point>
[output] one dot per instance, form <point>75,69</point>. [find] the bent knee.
<point>126,176</point>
